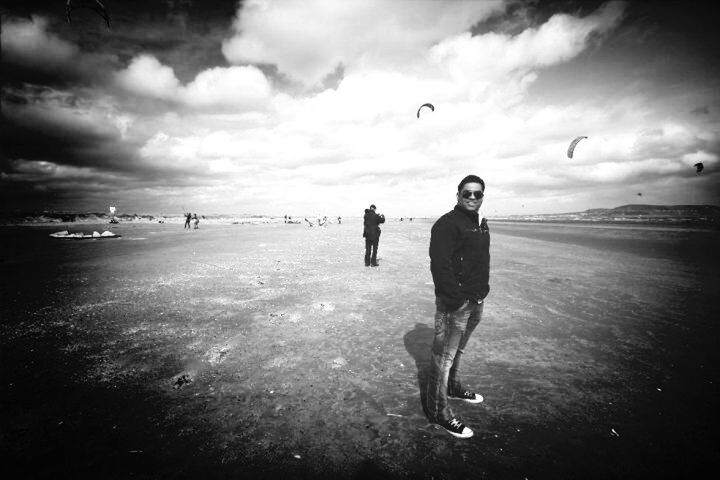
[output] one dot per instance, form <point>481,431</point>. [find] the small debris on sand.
<point>181,381</point>
<point>339,362</point>
<point>326,307</point>
<point>216,355</point>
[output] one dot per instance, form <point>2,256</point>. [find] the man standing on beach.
<point>371,232</point>
<point>460,266</point>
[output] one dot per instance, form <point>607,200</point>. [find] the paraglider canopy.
<point>429,105</point>
<point>698,167</point>
<point>94,5</point>
<point>571,148</point>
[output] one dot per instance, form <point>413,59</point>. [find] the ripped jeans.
<point>452,332</point>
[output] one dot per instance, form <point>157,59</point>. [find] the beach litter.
<point>339,362</point>
<point>181,381</point>
<point>216,354</point>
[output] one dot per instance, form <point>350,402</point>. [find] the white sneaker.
<point>457,429</point>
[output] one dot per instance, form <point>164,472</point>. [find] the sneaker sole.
<point>477,399</point>
<point>460,435</point>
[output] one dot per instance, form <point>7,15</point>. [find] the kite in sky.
<point>571,148</point>
<point>429,105</point>
<point>698,167</point>
<point>95,5</point>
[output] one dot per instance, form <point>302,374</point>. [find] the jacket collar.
<point>471,215</point>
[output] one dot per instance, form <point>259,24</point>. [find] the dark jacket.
<point>371,222</point>
<point>460,258</point>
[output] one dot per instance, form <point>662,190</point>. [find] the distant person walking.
<point>460,266</point>
<point>371,232</point>
<point>196,220</point>
<point>188,217</point>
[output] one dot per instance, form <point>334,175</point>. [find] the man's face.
<point>468,196</point>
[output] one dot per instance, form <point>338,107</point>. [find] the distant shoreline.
<point>629,224</point>
<point>651,215</point>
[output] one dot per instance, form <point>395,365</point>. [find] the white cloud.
<point>308,39</point>
<point>28,41</point>
<point>62,111</point>
<point>490,57</point>
<point>243,87</point>
<point>147,76</point>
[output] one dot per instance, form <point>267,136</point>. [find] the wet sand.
<point>270,351</point>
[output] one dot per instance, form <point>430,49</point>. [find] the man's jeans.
<point>452,331</point>
<point>371,244</point>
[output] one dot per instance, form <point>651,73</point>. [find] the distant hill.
<point>634,213</point>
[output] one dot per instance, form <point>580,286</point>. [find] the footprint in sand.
<point>216,355</point>
<point>325,307</point>
<point>278,317</point>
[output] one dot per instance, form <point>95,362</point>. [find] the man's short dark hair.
<point>374,207</point>
<point>471,179</point>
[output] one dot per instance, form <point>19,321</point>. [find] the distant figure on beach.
<point>188,217</point>
<point>339,220</point>
<point>371,233</point>
<point>196,220</point>
<point>460,267</point>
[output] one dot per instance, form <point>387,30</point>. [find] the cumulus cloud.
<point>220,88</point>
<point>491,55</point>
<point>308,39</point>
<point>147,76</point>
<point>242,87</point>
<point>29,42</point>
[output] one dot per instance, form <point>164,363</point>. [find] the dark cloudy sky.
<point>308,106</point>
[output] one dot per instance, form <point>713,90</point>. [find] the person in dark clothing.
<point>371,232</point>
<point>460,267</point>
<point>188,217</point>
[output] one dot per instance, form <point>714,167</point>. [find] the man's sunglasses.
<point>478,194</point>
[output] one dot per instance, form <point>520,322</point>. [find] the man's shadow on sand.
<point>418,343</point>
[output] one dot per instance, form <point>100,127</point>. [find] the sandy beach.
<point>270,351</point>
